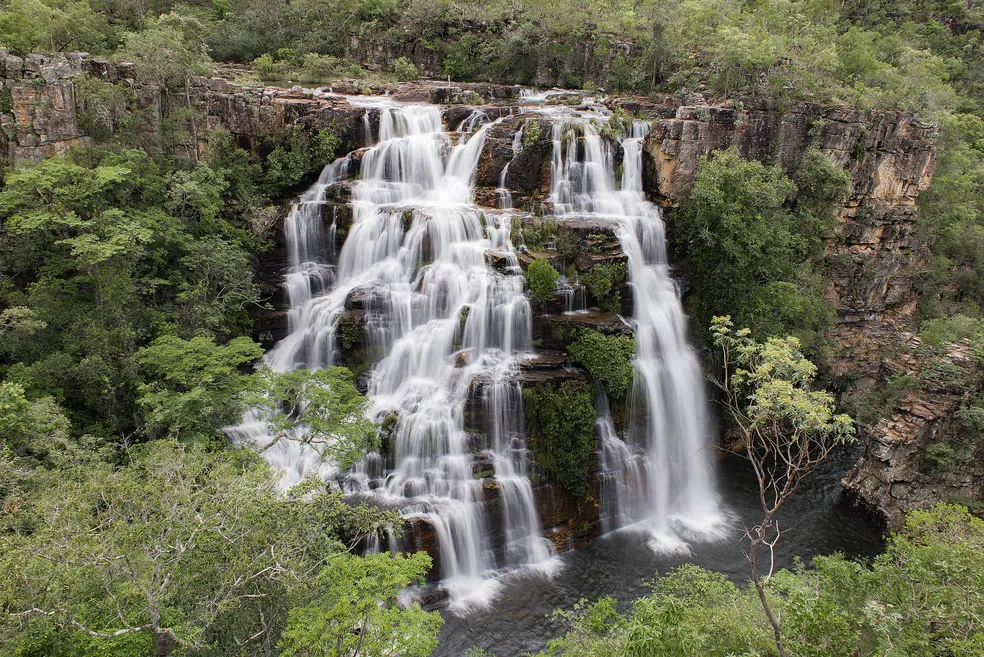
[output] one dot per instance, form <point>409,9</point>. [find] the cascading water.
<point>445,323</point>
<point>668,428</point>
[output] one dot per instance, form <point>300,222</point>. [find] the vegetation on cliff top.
<point>917,55</point>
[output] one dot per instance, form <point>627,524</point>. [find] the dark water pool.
<point>518,620</point>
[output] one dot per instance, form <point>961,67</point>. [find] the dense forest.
<point>130,526</point>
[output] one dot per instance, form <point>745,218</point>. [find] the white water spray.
<point>659,478</point>
<point>444,323</point>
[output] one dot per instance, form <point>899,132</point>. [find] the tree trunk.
<point>760,588</point>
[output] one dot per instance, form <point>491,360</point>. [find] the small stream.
<point>815,522</point>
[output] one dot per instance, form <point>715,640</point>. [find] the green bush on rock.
<point>542,279</point>
<point>608,359</point>
<point>604,280</point>
<point>561,426</point>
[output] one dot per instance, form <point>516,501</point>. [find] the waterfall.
<point>662,461</point>
<point>446,327</point>
<point>503,193</point>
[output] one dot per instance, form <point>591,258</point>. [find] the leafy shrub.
<point>531,133</point>
<point>369,10</point>
<point>537,235</point>
<point>869,406</point>
<point>542,279</point>
<point>940,457</point>
<point>457,67</point>
<point>604,281</point>
<point>561,425</point>
<point>608,359</point>
<point>405,70</point>
<point>569,244</point>
<point>325,146</point>
<point>318,68</point>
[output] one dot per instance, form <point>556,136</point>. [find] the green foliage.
<point>952,214</point>
<point>821,189</point>
<point>404,69</point>
<point>296,157</point>
<point>170,50</point>
<point>369,10</point>
<point>921,597</point>
<point>531,133</point>
<point>747,249</point>
<point>457,67</point>
<point>604,281</point>
<point>288,64</point>
<point>195,386</point>
<point>542,279</point>
<point>28,26</point>
<point>111,251</point>
<point>869,406</point>
<point>913,59</point>
<point>537,236</point>
<point>322,408</point>
<point>32,429</point>
<point>361,592</point>
<point>939,333</point>
<point>772,382</point>
<point>942,457</point>
<point>180,544</point>
<point>608,359</point>
<point>918,597</point>
<point>516,54</point>
<point>561,426</point>
<point>103,106</point>
<point>569,244</point>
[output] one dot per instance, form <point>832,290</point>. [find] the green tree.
<point>356,613</point>
<point>194,387</point>
<point>322,408</point>
<point>28,26</point>
<point>170,50</point>
<point>786,430</point>
<point>156,556</point>
<point>746,248</point>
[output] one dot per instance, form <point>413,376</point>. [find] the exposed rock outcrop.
<point>890,156</point>
<point>922,453</point>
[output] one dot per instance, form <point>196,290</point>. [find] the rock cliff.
<point>927,449</point>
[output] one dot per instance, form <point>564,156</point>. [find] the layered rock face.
<point>38,117</point>
<point>890,157</point>
<point>925,450</point>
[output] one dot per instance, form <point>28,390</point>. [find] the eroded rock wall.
<point>899,469</point>
<point>890,156</point>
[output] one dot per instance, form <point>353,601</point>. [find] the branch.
<point>79,626</point>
